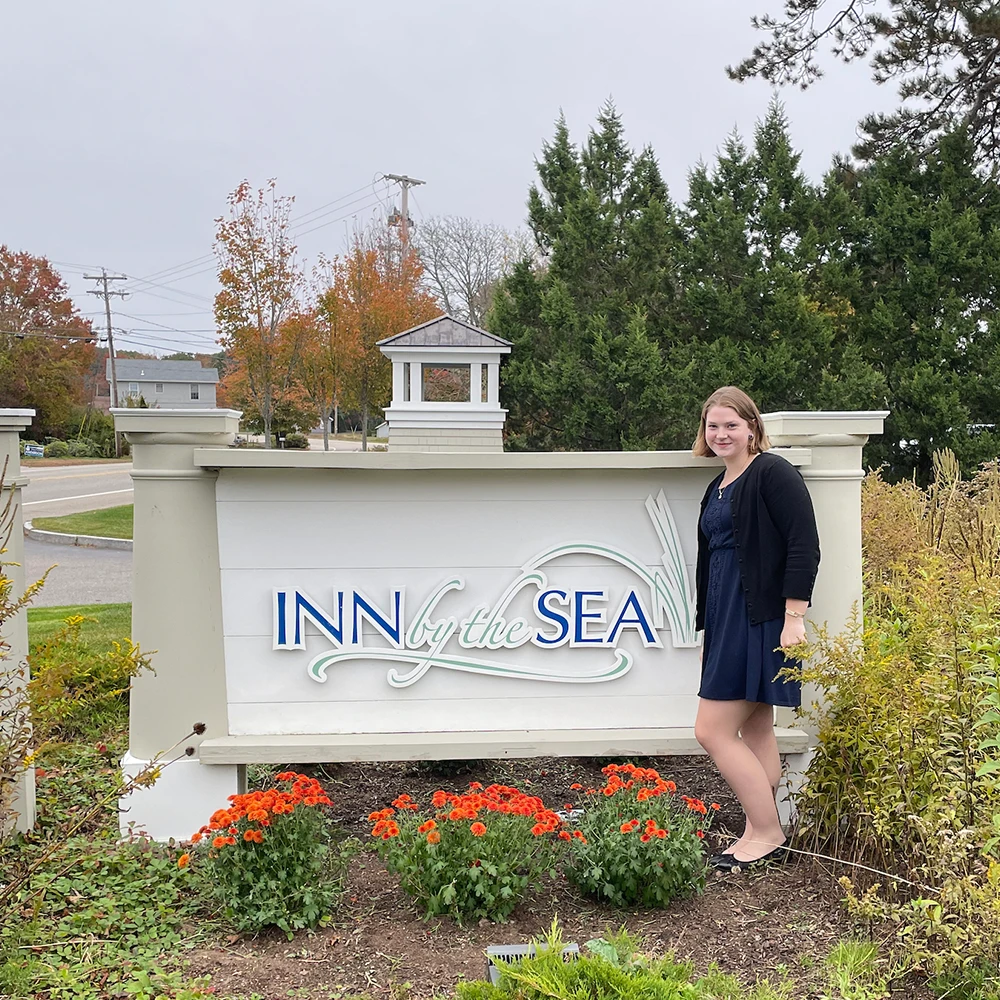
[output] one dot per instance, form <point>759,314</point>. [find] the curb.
<point>85,541</point>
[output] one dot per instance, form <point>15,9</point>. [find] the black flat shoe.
<point>728,863</point>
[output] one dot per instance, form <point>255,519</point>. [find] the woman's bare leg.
<point>758,734</point>
<point>717,728</point>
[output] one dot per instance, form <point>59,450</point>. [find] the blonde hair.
<point>738,400</point>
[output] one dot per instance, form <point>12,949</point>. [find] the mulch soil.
<point>750,924</point>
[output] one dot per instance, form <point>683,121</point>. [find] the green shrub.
<point>296,440</point>
<point>636,844</point>
<point>57,449</point>
<point>469,856</point>
<point>267,858</point>
<point>79,691</point>
<point>904,778</point>
<point>82,448</point>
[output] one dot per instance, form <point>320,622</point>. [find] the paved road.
<point>80,576</point>
<point>68,489</point>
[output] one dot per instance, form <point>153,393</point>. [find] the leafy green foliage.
<point>903,778</point>
<point>470,856</point>
<point>93,916</point>
<point>77,691</point>
<point>611,968</point>
<point>636,844</point>
<point>268,860</point>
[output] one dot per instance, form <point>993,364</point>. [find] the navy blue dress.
<point>739,662</point>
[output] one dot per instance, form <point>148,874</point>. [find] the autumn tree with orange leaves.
<point>261,281</point>
<point>374,292</point>
<point>328,347</point>
<point>46,351</point>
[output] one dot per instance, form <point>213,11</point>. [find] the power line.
<point>296,222</point>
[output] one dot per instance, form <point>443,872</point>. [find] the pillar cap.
<point>155,420</point>
<point>806,423</point>
<point>15,420</point>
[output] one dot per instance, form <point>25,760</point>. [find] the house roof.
<point>142,370</point>
<point>445,331</point>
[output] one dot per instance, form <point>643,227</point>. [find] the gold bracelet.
<point>794,614</point>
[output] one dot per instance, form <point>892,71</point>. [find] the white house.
<point>174,385</point>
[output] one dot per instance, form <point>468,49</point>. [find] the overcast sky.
<point>126,124</point>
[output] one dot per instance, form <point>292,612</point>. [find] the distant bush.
<point>57,449</point>
<point>296,440</point>
<point>82,448</point>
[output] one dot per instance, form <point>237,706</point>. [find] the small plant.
<point>638,843</point>
<point>614,966</point>
<point>470,856</point>
<point>268,859</point>
<point>57,449</point>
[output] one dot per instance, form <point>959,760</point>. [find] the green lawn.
<point>112,621</point>
<point>112,522</point>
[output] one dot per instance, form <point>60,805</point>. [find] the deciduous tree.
<point>328,349</point>
<point>374,292</point>
<point>261,281</point>
<point>45,346</point>
<point>464,261</point>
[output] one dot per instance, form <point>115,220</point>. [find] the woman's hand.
<point>793,632</point>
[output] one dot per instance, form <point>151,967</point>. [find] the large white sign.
<point>462,602</point>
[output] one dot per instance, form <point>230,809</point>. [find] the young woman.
<point>758,553</point>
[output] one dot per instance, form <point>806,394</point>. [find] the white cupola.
<point>445,388</point>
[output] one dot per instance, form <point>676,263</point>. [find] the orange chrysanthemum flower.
<point>575,787</point>
<point>579,836</point>
<point>645,838</point>
<point>433,837</point>
<point>565,835</point>
<point>426,827</point>
<point>625,828</point>
<point>220,841</point>
<point>477,829</point>
<point>183,860</point>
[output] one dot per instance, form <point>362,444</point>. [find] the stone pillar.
<point>15,631</point>
<point>833,477</point>
<point>176,616</point>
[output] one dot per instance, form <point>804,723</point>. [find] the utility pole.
<point>106,293</point>
<point>403,219</point>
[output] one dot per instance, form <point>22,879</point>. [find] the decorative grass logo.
<point>561,617</point>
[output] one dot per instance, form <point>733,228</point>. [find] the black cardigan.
<point>776,539</point>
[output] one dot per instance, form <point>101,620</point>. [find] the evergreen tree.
<point>586,371</point>
<point>944,58</point>
<point>928,259</point>
<point>765,274</point>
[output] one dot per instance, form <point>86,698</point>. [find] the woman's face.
<point>726,432</point>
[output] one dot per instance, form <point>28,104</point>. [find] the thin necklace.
<point>724,486</point>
